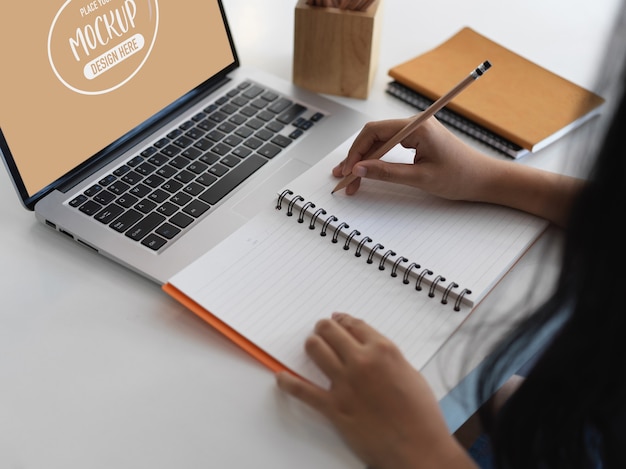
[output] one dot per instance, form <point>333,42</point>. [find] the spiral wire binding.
<point>377,246</point>
<point>318,212</point>
<point>381,265</point>
<point>292,203</point>
<point>366,239</point>
<point>343,227</point>
<point>303,210</point>
<point>354,233</point>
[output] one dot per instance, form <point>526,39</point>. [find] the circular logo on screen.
<point>95,47</point>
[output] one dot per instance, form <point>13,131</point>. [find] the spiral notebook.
<point>517,108</point>
<point>410,264</point>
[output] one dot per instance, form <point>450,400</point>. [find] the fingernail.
<point>359,171</point>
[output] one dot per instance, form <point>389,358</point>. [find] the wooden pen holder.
<point>335,50</point>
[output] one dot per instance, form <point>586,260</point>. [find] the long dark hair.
<point>571,409</point>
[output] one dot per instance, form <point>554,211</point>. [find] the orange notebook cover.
<point>225,329</point>
<point>517,100</point>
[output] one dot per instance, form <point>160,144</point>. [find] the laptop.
<point>130,127</point>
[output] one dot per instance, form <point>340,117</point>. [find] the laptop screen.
<point>78,75</point>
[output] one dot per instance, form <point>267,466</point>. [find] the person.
<point>570,410</point>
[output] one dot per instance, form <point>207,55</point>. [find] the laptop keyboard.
<point>156,195</point>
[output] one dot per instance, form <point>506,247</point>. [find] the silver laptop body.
<point>85,62</point>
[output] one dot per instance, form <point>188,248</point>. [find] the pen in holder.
<point>336,50</point>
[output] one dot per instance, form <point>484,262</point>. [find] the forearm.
<point>542,193</point>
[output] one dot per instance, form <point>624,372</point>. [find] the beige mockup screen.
<point>77,75</point>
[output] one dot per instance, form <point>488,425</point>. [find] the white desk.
<point>99,369</point>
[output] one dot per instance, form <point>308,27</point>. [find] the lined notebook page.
<point>274,278</point>
<point>468,243</point>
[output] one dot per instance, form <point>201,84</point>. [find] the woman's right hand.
<point>447,167</point>
<point>443,164</point>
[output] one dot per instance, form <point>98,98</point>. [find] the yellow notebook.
<point>517,100</point>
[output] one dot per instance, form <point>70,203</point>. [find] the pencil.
<point>419,119</point>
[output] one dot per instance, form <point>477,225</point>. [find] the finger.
<point>357,328</point>
<point>370,139</point>
<point>399,173</point>
<point>302,390</point>
<point>323,355</point>
<point>353,186</point>
<point>336,339</point>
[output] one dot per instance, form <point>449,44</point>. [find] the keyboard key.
<point>121,170</point>
<point>119,187</point>
<point>203,144</point>
<point>183,141</point>
<point>198,117</point>
<point>107,180</point>
<point>154,242</point>
<point>172,186</point>
<point>148,152</point>
<point>182,220</point>
<point>140,190</point>
<point>90,207</point>
<point>127,200</point>
<point>253,91</point>
<point>145,206</point>
<point>104,197</point>
<point>281,140</point>
<point>174,134</point>
<point>180,162</point>
<point>226,127</point>
<point>275,126</point>
<point>109,213</point>
<point>195,208</point>
<point>241,152</point>
<point>221,149</point>
<point>172,150</point>
<point>253,143</point>
<point>181,198</point>
<point>126,220</point>
<point>135,161</point>
<point>158,160</point>
<point>230,160</point>
<point>191,153</point>
<point>167,231</point>
<point>93,190</point>
<point>209,158</point>
<point>206,125</point>
<point>264,134</point>
<point>233,140</point>
<point>185,176</point>
<point>167,171</point>
<point>197,167</point>
<point>168,209</point>
<point>215,135</point>
<point>153,181</point>
<point>218,170</point>
<point>132,178</point>
<point>206,179</point>
<point>193,189</point>
<point>269,150</point>
<point>162,142</point>
<point>145,168</point>
<point>159,196</point>
<point>195,133</point>
<point>145,226</point>
<point>290,114</point>
<point>232,179</point>
<point>280,105</point>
